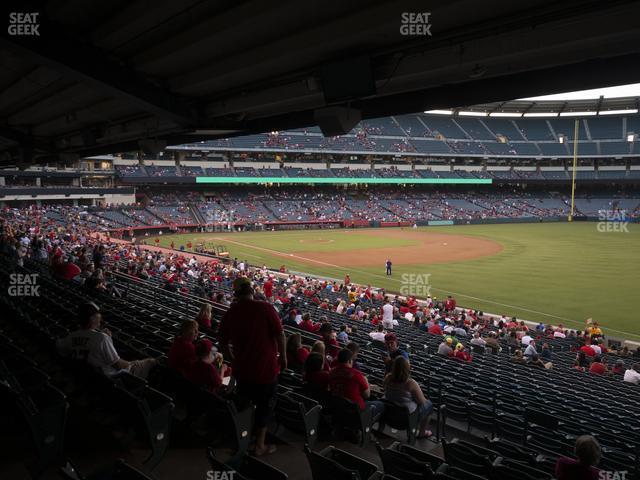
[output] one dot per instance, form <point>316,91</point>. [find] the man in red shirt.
<point>588,350</point>
<point>268,288</point>
<point>252,335</point>
<point>598,366</point>
<point>435,329</point>
<point>308,324</point>
<point>347,382</point>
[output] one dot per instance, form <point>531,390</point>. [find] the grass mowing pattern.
<point>553,272</point>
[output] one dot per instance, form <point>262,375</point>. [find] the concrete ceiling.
<point>103,76</point>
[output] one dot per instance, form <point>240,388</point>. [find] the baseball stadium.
<point>378,243</point>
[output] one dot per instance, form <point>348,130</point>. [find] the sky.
<point>632,90</point>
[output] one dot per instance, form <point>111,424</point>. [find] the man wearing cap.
<point>252,336</point>
<point>95,346</point>
<point>393,350</point>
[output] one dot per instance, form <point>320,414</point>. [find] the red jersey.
<point>268,289</point>
<point>597,368</point>
<point>182,355</point>
<point>348,383</point>
<point>252,328</point>
<point>435,329</point>
<point>205,375</point>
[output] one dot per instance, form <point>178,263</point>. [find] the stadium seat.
<point>399,418</point>
<point>299,414</point>
<point>334,464</point>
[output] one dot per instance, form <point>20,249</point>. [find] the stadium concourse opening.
<point>294,240</point>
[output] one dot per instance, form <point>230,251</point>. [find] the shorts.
<point>263,396</point>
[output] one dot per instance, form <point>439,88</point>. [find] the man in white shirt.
<point>530,351</point>
<point>387,315</point>
<point>526,339</point>
<point>95,346</point>
<point>478,340</point>
<point>596,348</point>
<point>378,334</point>
<point>633,374</point>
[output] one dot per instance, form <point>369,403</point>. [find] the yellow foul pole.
<point>575,164</point>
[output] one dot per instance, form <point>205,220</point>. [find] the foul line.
<point>524,309</point>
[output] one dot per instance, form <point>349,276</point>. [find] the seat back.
<point>403,465</point>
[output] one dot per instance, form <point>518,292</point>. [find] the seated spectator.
<point>588,454</point>
<point>308,324</point>
<point>314,372</point>
<point>296,353</point>
<point>378,334</point>
<point>530,351</point>
<point>618,368</point>
<point>536,361</point>
<point>182,354</point>
<point>518,357</point>
<point>404,391</point>
<point>478,341</point>
<point>343,335</point>
<point>347,382</point>
<point>209,369</point>
<point>94,345</point>
<point>492,342</point>
<point>444,348</point>
<point>460,353</point>
<point>545,354</point>
<point>582,360</point>
<point>632,375</point>
<point>393,350</point>
<point>598,366</point>
<point>204,315</point>
<point>319,347</point>
<point>328,335</point>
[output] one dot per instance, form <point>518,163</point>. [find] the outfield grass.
<point>553,272</point>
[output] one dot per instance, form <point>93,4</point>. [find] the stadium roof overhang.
<point>119,75</point>
<point>549,108</point>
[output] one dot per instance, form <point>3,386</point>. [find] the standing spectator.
<point>588,454</point>
<point>404,391</point>
<point>347,382</point>
<point>387,315</point>
<point>388,266</point>
<point>252,335</point>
